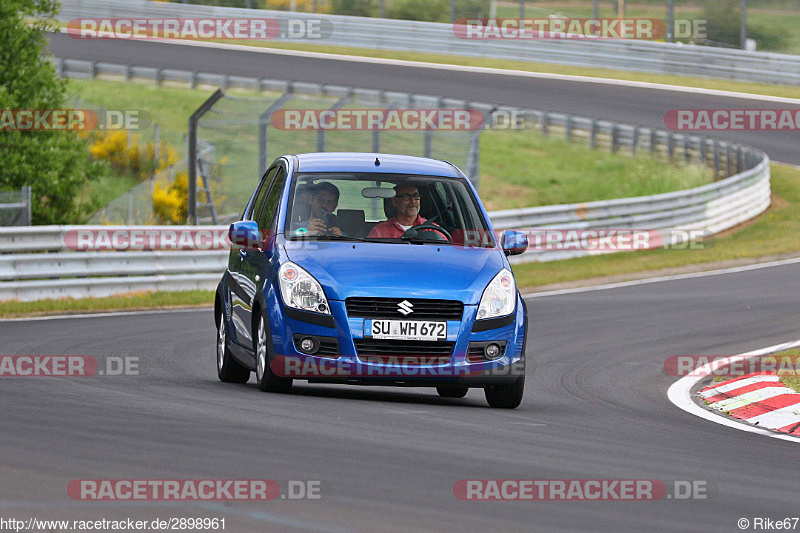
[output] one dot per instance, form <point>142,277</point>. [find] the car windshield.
<point>385,208</point>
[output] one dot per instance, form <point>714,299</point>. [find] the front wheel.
<point>506,396</point>
<point>267,380</point>
<point>228,369</point>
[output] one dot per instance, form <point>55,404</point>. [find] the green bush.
<point>355,8</point>
<point>55,164</point>
<point>425,10</point>
<point>724,26</point>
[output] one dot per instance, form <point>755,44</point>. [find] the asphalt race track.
<point>595,405</point>
<point>595,408</point>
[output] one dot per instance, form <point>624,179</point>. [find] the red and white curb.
<point>759,399</point>
<point>756,398</point>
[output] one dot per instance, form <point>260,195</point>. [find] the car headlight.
<point>300,290</point>
<point>499,296</point>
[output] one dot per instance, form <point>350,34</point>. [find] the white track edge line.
<point>679,394</point>
<point>689,275</point>
<point>102,315</point>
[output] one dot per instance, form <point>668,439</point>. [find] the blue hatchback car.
<point>371,269</point>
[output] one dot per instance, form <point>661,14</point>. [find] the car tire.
<point>229,369</point>
<point>452,391</point>
<point>506,396</point>
<point>267,380</point>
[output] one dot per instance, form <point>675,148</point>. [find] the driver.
<point>324,200</point>
<point>406,204</point>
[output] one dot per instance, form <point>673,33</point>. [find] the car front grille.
<point>404,352</point>
<point>421,309</point>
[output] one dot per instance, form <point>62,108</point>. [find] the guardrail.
<point>57,271</point>
<point>431,37</point>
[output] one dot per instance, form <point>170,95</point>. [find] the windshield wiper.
<point>328,238</point>
<point>422,240</point>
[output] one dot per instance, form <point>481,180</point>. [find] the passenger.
<point>324,200</point>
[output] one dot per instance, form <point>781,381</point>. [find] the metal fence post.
<point>130,208</point>
<point>376,140</point>
<point>634,141</point>
<point>545,120</point>
<point>593,134</point>
<point>568,128</point>
<point>614,140</point>
<point>653,142</point>
<point>26,195</point>
<point>739,163</point>
<point>263,125</point>
<point>686,148</point>
<point>703,152</point>
<point>156,142</point>
<point>728,160</point>
<point>191,209</point>
<point>671,146</point>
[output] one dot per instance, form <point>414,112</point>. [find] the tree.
<point>56,164</point>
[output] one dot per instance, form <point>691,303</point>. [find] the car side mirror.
<point>246,235</point>
<point>514,242</point>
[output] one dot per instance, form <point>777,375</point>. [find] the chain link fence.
<point>242,136</point>
<point>15,207</point>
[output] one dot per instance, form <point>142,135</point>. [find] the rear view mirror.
<point>514,242</point>
<point>377,192</point>
<point>245,234</point>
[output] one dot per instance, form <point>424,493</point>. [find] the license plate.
<point>410,330</point>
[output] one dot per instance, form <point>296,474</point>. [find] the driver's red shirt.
<point>390,229</point>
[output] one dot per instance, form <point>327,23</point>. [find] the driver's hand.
<point>335,231</point>
<point>316,227</point>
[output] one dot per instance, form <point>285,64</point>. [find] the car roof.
<point>365,162</point>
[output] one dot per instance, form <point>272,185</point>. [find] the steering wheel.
<point>426,226</point>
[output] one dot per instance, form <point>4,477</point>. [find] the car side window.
<point>262,192</point>
<point>271,201</point>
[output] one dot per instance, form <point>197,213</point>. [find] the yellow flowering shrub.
<point>134,160</point>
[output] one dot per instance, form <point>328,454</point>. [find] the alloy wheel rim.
<point>221,342</point>
<point>262,350</point>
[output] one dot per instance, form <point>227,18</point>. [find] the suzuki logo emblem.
<point>405,307</point>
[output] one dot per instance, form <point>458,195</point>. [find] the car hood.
<point>348,269</point>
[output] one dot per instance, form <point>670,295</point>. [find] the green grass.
<point>773,233</point>
<point>525,169</point>
<point>163,104</point>
<point>791,380</point>
<point>99,193</point>
<point>149,300</point>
